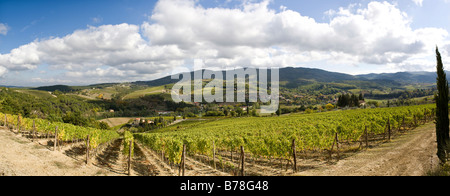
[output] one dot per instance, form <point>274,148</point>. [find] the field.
<point>36,93</point>
<point>62,132</point>
<point>112,122</point>
<point>147,91</point>
<point>264,145</point>
<point>269,139</point>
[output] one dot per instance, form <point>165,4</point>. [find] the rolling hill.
<point>290,78</point>
<point>403,77</point>
<point>308,75</point>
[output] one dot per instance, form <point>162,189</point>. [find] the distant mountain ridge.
<point>300,74</point>
<point>404,77</point>
<point>294,77</point>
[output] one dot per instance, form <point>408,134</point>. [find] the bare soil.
<point>112,122</point>
<point>412,154</point>
<point>21,157</point>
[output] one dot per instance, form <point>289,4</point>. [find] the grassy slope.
<point>147,91</point>
<point>36,93</point>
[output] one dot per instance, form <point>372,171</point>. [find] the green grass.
<point>147,91</point>
<point>37,93</point>
<point>414,99</point>
<point>443,170</point>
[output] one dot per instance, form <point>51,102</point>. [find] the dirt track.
<point>21,157</point>
<point>410,155</point>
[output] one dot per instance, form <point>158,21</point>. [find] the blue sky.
<point>36,19</point>
<point>46,42</point>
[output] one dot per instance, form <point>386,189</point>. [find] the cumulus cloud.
<point>377,34</point>
<point>118,46</point>
<point>3,29</point>
<point>251,34</point>
<point>23,58</point>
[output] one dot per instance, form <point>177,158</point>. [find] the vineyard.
<point>267,140</point>
<point>62,133</point>
<point>262,145</point>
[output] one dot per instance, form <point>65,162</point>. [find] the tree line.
<point>349,100</point>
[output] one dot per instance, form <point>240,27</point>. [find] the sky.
<point>49,42</point>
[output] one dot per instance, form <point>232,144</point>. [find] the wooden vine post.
<point>182,163</point>
<point>389,129</point>
<point>34,130</point>
<point>87,150</point>
<point>6,121</point>
<point>242,161</point>
<point>403,123</point>
<point>129,158</point>
<point>415,121</point>
<point>18,124</point>
<point>56,139</point>
<point>184,158</point>
<point>214,155</point>
<point>337,146</point>
<point>366,137</point>
<point>336,141</point>
<point>425,117</point>
<point>294,154</point>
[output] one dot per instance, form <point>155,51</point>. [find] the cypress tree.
<point>442,119</point>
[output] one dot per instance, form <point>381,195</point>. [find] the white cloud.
<point>377,34</point>
<point>418,2</point>
<point>249,35</point>
<point>3,29</point>
<point>97,20</point>
<point>3,71</point>
<point>23,58</point>
<point>120,46</point>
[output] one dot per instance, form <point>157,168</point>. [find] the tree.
<point>232,113</point>
<point>361,97</point>
<point>329,107</point>
<point>239,111</point>
<point>248,111</point>
<point>254,113</point>
<point>225,111</point>
<point>442,120</point>
<point>76,118</point>
<point>344,100</point>
<point>354,101</point>
<point>309,111</point>
<point>103,125</point>
<point>347,100</point>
